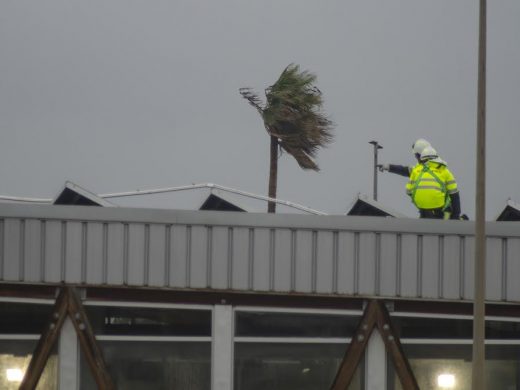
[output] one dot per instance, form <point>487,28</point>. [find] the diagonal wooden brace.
<point>375,315</point>
<point>46,343</point>
<point>69,304</point>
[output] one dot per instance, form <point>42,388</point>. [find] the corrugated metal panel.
<point>52,251</point>
<point>220,257</point>
<point>156,255</point>
<point>513,269</point>
<point>281,260</point>
<point>325,259</point>
<point>94,256</point>
<point>366,263</point>
<point>313,255</point>
<point>451,267</point>
<point>494,265</point>
<point>198,275</point>
<point>179,254</point>
<point>74,251</point>
<point>388,271</point>
<point>347,254</point>
<point>262,259</point>
<point>32,251</point>
<point>241,259</point>
<point>303,256</point>
<point>409,260</point>
<point>13,249</point>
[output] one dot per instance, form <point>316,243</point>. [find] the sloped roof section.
<point>510,213</point>
<point>218,203</point>
<point>364,206</point>
<point>72,194</point>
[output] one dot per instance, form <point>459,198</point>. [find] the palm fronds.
<point>293,114</point>
<point>252,98</point>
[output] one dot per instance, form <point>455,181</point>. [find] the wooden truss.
<point>67,304</point>
<point>375,315</point>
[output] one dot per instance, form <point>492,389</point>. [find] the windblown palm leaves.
<point>293,117</point>
<point>293,114</point>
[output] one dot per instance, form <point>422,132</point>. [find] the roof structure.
<point>217,203</point>
<point>73,194</point>
<point>510,213</point>
<point>364,206</point>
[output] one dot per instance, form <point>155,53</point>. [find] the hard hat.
<point>428,153</point>
<point>419,145</point>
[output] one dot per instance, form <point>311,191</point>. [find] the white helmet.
<point>428,153</point>
<point>419,145</point>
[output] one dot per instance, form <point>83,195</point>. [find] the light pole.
<point>377,146</point>
<point>477,374</point>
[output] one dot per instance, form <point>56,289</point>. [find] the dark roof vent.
<point>510,213</point>
<point>364,206</point>
<point>214,202</point>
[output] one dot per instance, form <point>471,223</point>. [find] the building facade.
<point>219,300</point>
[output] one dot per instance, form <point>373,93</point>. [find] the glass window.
<point>15,356</point>
<point>432,328</point>
<point>502,330</point>
<point>264,324</point>
<point>449,366</point>
<point>285,366</point>
<point>113,320</point>
<point>140,365</point>
<point>24,318</point>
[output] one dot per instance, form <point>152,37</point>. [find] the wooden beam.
<point>46,343</point>
<point>393,346</point>
<point>88,342</point>
<point>356,348</point>
<point>375,315</point>
<point>67,303</point>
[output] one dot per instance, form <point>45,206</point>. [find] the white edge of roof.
<point>509,203</point>
<point>376,204</point>
<point>83,192</point>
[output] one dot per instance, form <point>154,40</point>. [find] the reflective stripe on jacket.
<point>430,185</point>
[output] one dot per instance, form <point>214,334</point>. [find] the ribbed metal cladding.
<point>348,256</point>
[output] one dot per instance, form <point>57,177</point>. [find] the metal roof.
<point>253,252</point>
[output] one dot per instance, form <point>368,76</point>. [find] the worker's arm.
<point>402,170</point>
<point>455,205</point>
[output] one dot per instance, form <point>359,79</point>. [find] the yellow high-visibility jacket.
<point>430,185</point>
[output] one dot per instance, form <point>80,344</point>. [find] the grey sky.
<point>118,95</point>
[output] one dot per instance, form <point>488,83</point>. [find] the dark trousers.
<point>432,213</point>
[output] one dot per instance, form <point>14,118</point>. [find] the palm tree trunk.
<point>273,174</point>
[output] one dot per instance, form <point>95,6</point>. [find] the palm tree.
<point>294,120</point>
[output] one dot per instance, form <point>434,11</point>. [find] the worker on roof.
<point>418,147</point>
<point>405,170</point>
<point>433,188</point>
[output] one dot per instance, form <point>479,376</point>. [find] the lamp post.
<point>477,374</point>
<point>377,146</point>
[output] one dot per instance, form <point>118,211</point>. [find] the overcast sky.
<point>119,95</point>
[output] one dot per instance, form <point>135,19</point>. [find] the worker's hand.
<point>383,167</point>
